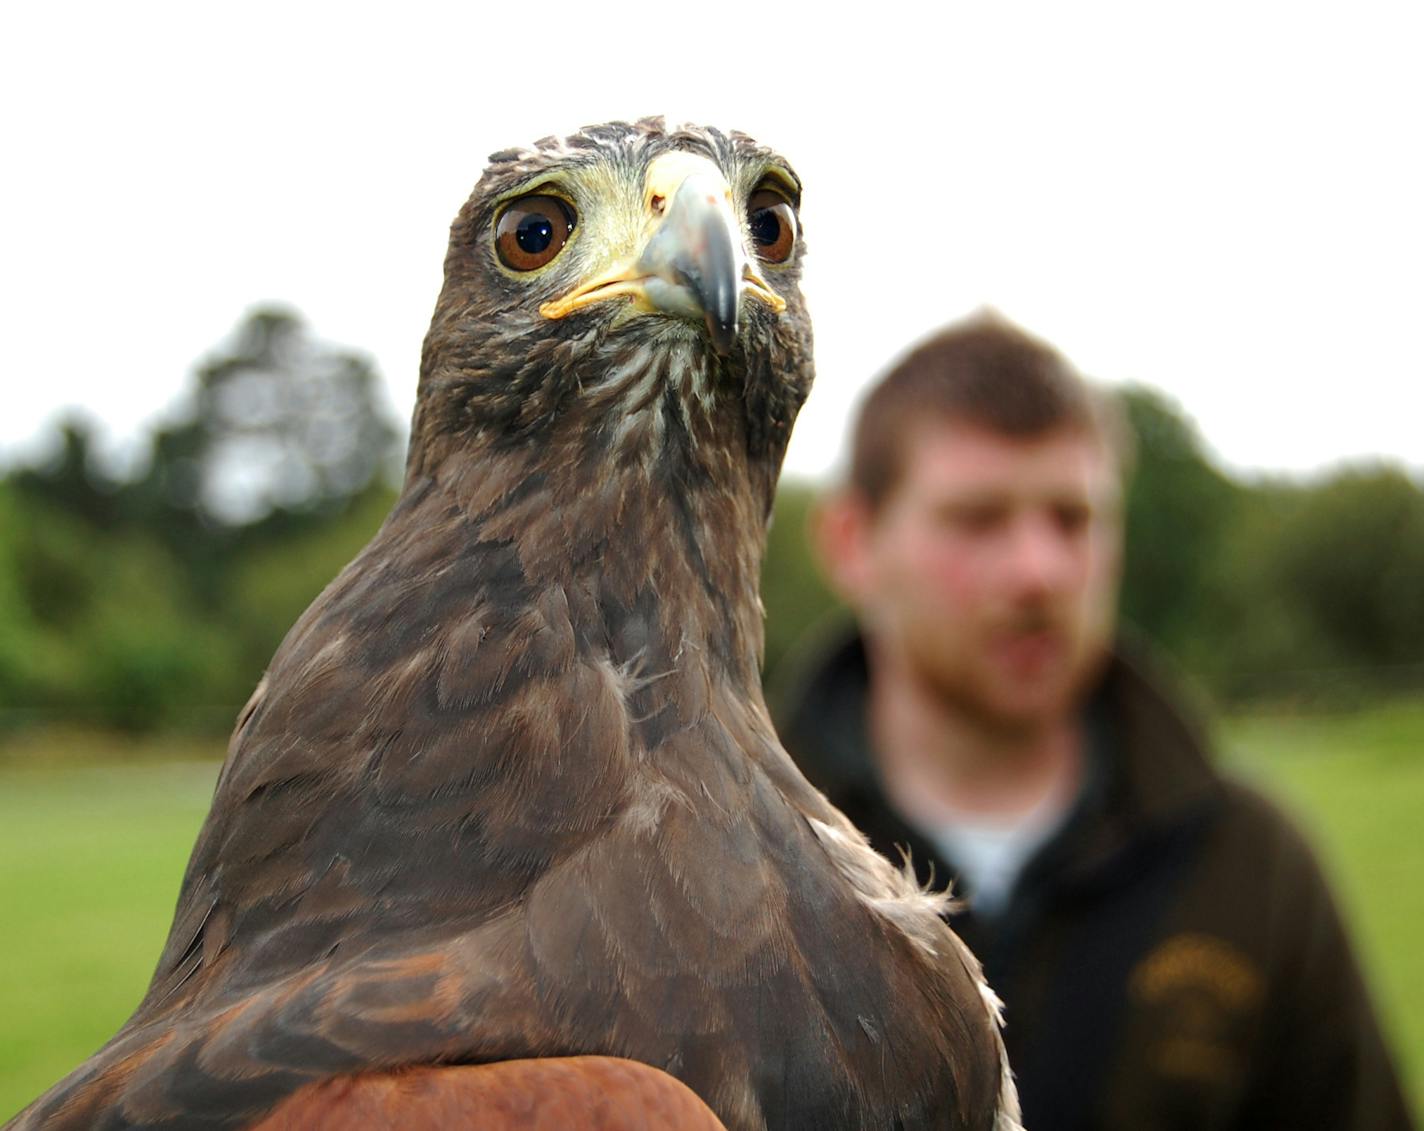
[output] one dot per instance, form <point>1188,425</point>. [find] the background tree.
<point>1179,512</point>
<point>276,421</point>
<point>279,434</point>
<point>1351,557</point>
<point>793,589</point>
<point>120,596</point>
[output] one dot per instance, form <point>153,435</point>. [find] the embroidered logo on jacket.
<point>1200,991</point>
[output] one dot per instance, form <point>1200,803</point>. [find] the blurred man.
<point>1166,947</point>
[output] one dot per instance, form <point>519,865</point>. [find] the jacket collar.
<point>1149,772</point>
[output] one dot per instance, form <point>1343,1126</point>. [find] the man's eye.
<point>1072,519</point>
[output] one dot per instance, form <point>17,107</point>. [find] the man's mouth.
<point>1029,652</point>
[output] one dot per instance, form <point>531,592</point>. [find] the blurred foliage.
<point>1355,565</point>
<point>276,422</point>
<point>154,601</point>
<point>793,589</point>
<point>132,603</point>
<point>1179,511</point>
<point>1273,589</point>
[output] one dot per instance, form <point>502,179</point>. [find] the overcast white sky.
<point>1220,200</point>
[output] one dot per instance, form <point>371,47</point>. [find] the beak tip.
<point>723,334</point>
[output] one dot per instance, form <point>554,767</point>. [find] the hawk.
<point>509,789</point>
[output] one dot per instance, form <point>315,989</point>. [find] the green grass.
<point>1356,784</point>
<point>90,861</point>
<point>91,857</point>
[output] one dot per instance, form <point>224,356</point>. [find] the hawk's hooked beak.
<point>693,265</point>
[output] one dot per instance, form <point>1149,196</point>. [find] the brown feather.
<point>509,788</point>
<point>592,1093</point>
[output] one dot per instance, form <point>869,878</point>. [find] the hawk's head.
<point>604,279</point>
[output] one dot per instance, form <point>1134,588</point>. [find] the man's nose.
<point>1040,556</point>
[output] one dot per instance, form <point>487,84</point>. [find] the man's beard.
<point>971,681</point>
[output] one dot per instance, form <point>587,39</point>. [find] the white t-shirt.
<point>990,852</point>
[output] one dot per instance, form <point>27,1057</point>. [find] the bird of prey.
<point>509,789</point>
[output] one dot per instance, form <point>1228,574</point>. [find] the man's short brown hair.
<point>985,371</point>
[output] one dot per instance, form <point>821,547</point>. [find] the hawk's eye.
<point>532,230</point>
<point>773,225</point>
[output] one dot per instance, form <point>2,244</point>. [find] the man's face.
<point>990,571</point>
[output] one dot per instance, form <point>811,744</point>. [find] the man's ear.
<point>841,532</point>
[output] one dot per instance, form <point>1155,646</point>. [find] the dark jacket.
<point>1172,957</point>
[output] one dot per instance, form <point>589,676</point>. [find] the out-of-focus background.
<point>222,236</point>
